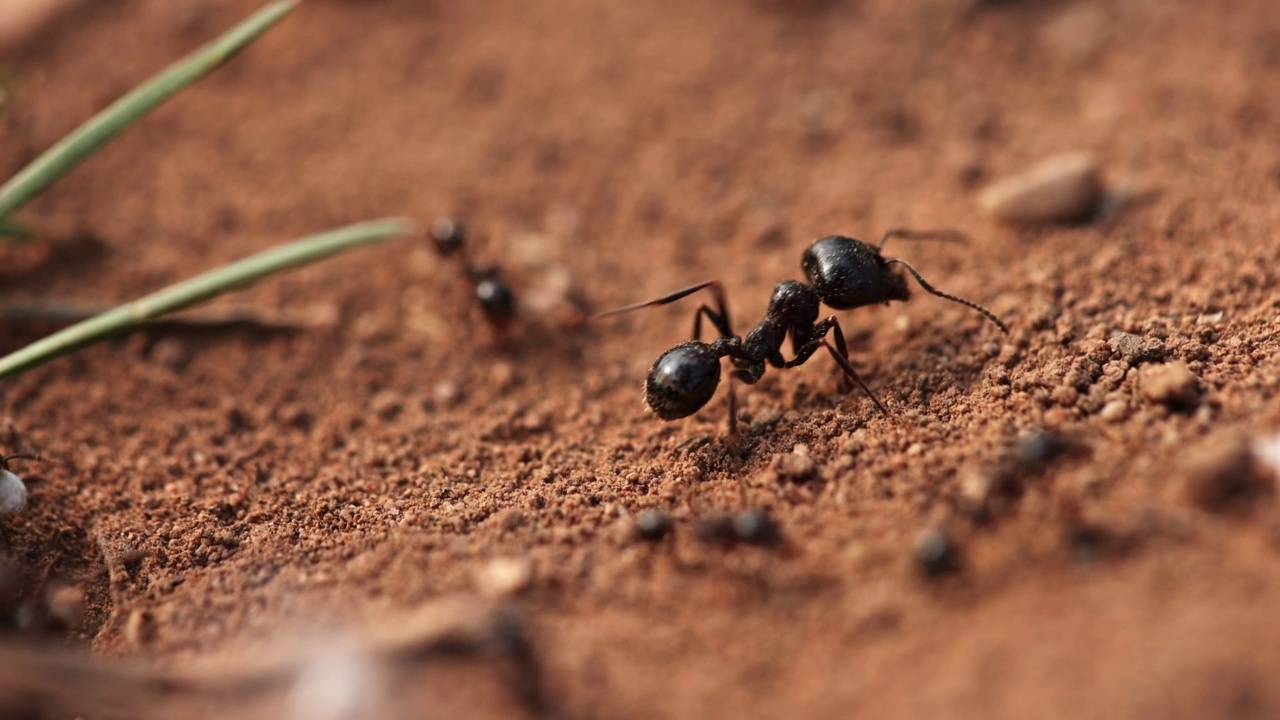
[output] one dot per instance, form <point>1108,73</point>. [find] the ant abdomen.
<point>848,273</point>
<point>682,380</point>
<point>496,300</point>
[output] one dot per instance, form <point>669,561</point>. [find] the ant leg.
<point>720,322</point>
<point>931,289</point>
<point>843,362</point>
<point>947,235</point>
<point>733,411</point>
<point>840,353</point>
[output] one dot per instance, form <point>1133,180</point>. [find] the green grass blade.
<point>202,287</point>
<point>84,140</point>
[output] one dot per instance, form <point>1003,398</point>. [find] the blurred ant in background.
<point>493,295</point>
<point>548,306</point>
<point>843,273</point>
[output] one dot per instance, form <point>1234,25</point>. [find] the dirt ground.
<point>396,514</point>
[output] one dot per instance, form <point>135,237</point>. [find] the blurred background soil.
<point>1100,533</point>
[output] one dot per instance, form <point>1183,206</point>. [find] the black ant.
<point>494,296</point>
<point>843,273</point>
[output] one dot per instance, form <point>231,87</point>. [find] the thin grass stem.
<point>84,140</point>
<point>202,287</point>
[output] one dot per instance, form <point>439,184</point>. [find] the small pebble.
<point>337,681</point>
<point>756,527</point>
<point>510,519</point>
<point>936,553</point>
<point>989,491</point>
<point>296,417</point>
<point>1267,452</point>
<point>66,605</point>
<point>1065,395</point>
<point>504,577</point>
<point>139,628</point>
<point>796,465</point>
<point>1057,417</point>
<point>1042,447</point>
<point>387,404</point>
<point>502,375</point>
<point>652,525</point>
<point>446,394</point>
<point>1062,188</point>
<point>552,289</point>
<point>1088,543</point>
<point>1222,472</point>
<point>1135,349</point>
<point>1172,384</point>
<point>13,493</point>
<point>1077,34</point>
<point>1114,411</point>
<point>22,20</point>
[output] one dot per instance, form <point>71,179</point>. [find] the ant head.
<point>848,274</point>
<point>449,236</point>
<point>682,380</point>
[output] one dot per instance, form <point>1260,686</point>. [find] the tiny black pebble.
<point>936,554</point>
<point>652,526</point>
<point>1041,447</point>
<point>1088,543</point>
<point>756,527</point>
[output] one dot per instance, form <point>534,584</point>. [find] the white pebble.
<point>504,577</point>
<point>337,682</point>
<point>13,493</point>
<point>1114,411</point>
<point>1267,452</point>
<point>1062,188</point>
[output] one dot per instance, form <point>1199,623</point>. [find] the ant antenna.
<point>931,289</point>
<point>946,235</point>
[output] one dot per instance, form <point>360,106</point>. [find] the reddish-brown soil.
<point>224,497</point>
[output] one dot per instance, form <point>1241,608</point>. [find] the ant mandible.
<point>843,273</point>
<point>494,296</point>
